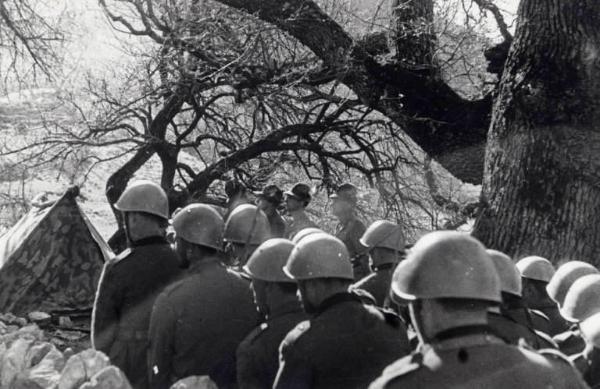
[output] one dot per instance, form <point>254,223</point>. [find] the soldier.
<point>569,342</point>
<point>451,281</point>
<point>350,229</point>
<point>536,272</point>
<point>130,283</point>
<point>296,201</point>
<point>268,200</point>
<point>245,229</point>
<point>345,343</point>
<point>198,322</point>
<point>501,318</point>
<point>275,298</point>
<point>385,242</point>
<point>588,361</point>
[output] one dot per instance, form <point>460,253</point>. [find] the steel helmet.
<point>590,329</point>
<point>305,232</point>
<point>447,264</point>
<point>268,260</point>
<point>247,225</point>
<point>144,196</point>
<point>383,233</point>
<point>582,299</point>
<point>200,224</point>
<point>564,278</point>
<point>510,278</point>
<point>536,268</point>
<point>319,255</point>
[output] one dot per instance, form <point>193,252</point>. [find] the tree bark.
<point>541,191</point>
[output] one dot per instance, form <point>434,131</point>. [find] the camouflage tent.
<point>51,259</point>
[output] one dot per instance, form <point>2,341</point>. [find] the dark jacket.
<point>126,292</point>
<point>588,364</point>
<point>350,233</point>
<point>570,342</point>
<point>515,333</point>
<point>378,285</point>
<point>345,344</point>
<point>301,222</point>
<point>197,324</point>
<point>477,359</point>
<point>258,354</point>
<point>277,225</point>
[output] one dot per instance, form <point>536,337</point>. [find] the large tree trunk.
<point>541,189</point>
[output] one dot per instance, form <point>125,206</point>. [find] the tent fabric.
<point>51,259</point>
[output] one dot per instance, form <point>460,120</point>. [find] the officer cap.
<point>447,264</point>
<point>346,192</point>
<point>271,193</point>
<point>565,276</point>
<point>268,260</point>
<point>300,192</point>
<point>144,196</point>
<point>200,224</point>
<point>319,255</point>
<point>536,268</point>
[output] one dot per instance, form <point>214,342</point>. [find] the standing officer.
<point>385,243</point>
<point>130,283</point>
<point>536,272</point>
<point>569,342</point>
<point>501,318</point>
<point>345,343</point>
<point>350,229</point>
<point>296,201</point>
<point>197,323</point>
<point>245,229</point>
<point>275,298</point>
<point>451,281</point>
<point>268,200</point>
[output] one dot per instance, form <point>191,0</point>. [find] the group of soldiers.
<point>254,302</point>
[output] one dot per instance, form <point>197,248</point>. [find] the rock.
<point>9,318</point>
<point>31,332</point>
<point>14,361</point>
<point>80,367</point>
<point>45,374</point>
<point>40,318</point>
<point>37,353</point>
<point>65,321</point>
<point>195,382</point>
<point>110,377</point>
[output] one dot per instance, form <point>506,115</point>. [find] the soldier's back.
<point>258,354</point>
<point>485,363</point>
<point>213,311</point>
<point>514,332</point>
<point>345,346</point>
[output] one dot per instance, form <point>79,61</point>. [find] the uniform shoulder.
<point>253,336</point>
<point>555,355</point>
<point>171,289</point>
<point>402,368</point>
<point>121,256</point>
<point>363,282</point>
<point>295,334</point>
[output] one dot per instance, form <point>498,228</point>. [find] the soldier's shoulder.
<point>170,291</point>
<point>123,255</point>
<point>253,337</point>
<point>401,370</point>
<point>555,356</point>
<point>296,333</point>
